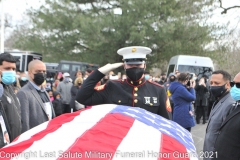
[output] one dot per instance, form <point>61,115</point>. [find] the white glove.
<point>108,67</point>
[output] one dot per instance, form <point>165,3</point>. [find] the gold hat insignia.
<point>134,50</point>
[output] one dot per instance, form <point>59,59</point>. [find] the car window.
<point>170,69</point>
<point>198,70</point>
<point>65,67</point>
<point>76,67</point>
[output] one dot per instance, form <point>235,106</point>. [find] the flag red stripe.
<point>172,149</point>
<point>104,137</point>
<point>16,139</point>
<point>53,125</point>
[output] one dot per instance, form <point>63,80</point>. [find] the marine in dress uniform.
<point>135,91</point>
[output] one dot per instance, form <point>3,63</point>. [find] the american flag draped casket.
<point>104,132</point>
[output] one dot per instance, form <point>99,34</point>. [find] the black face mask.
<point>39,78</point>
<point>21,81</point>
<point>218,91</point>
<point>79,84</point>
<point>134,73</point>
<point>172,79</point>
<point>163,79</point>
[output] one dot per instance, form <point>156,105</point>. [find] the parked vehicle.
<point>51,69</point>
<point>23,58</point>
<point>72,67</point>
<point>193,64</point>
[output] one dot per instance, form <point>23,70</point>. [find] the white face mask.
<point>195,78</point>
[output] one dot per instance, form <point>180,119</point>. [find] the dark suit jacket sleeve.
<point>87,95</point>
<point>24,110</point>
<point>163,106</point>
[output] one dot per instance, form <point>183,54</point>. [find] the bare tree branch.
<point>226,9</point>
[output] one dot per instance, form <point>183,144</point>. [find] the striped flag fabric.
<point>106,132</point>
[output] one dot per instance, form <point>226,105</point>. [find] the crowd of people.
<point>30,100</point>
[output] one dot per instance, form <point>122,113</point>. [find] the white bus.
<point>193,64</point>
<point>23,58</point>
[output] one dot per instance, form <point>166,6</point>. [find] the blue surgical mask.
<point>146,77</point>
<point>23,78</point>
<point>66,79</point>
<point>235,93</point>
<point>8,77</point>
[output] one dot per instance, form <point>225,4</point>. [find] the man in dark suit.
<point>227,145</point>
<point>219,86</point>
<point>36,107</point>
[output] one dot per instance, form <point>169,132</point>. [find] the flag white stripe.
<point>66,135</point>
<point>141,137</point>
<point>31,132</point>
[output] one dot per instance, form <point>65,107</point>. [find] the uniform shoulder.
<point>117,81</point>
<point>155,83</point>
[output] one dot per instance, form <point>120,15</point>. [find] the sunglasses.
<point>237,84</point>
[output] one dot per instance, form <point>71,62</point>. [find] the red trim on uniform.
<point>137,85</point>
<point>134,90</point>
<point>137,80</point>
<point>98,84</point>
<point>99,88</point>
<point>155,83</point>
<point>141,79</point>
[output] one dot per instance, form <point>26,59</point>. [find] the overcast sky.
<point>16,9</point>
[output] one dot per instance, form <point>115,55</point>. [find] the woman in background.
<point>201,100</point>
<point>77,75</point>
<point>77,84</point>
<point>183,94</point>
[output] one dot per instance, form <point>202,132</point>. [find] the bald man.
<point>36,107</point>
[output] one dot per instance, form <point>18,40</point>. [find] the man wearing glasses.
<point>134,91</point>
<point>219,87</point>
<point>227,144</point>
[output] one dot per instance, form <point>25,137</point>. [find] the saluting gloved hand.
<point>108,67</point>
